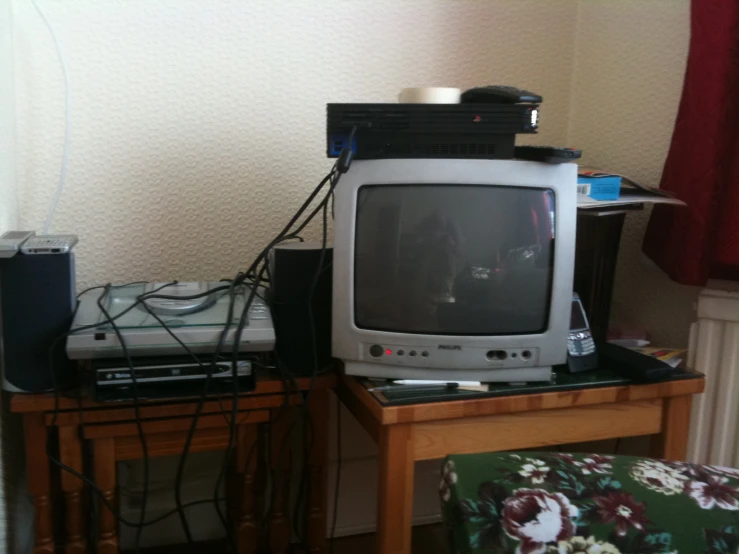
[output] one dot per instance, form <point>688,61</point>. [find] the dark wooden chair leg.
<point>281,452</point>
<point>320,411</point>
<point>232,494</point>
<point>247,529</point>
<point>70,450</point>
<point>105,478</point>
<point>39,481</point>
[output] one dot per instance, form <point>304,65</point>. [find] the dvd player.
<point>166,378</point>
<point>480,131</point>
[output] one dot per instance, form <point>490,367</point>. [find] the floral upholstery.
<point>532,503</point>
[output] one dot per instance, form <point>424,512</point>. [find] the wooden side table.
<point>112,433</point>
<point>409,433</point>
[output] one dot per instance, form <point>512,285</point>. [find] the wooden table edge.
<point>44,402</point>
<point>366,407</point>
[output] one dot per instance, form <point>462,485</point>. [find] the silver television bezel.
<point>469,361</point>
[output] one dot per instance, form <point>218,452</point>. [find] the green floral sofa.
<point>532,503</point>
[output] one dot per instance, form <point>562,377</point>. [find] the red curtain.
<point>701,241</point>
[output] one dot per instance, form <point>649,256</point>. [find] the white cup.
<point>430,95</point>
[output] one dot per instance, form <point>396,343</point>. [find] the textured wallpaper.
<point>198,127</point>
<point>629,65</point>
<point>8,189</point>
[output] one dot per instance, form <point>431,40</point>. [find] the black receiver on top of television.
<point>384,131</point>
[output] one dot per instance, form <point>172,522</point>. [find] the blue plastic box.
<point>601,188</point>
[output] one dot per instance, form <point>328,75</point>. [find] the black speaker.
<point>302,323</point>
<point>37,301</point>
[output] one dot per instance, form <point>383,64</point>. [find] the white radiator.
<point>714,351</point>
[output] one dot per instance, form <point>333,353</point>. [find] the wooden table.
<point>112,433</point>
<point>409,433</point>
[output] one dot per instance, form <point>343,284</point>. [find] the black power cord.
<point>179,505</point>
<point>194,422</point>
<point>256,276</point>
<point>139,426</point>
<point>49,451</point>
<point>341,167</point>
<point>261,259</point>
<point>209,372</point>
<point>178,500</point>
<point>111,321</point>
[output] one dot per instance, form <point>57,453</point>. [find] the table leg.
<point>233,497</point>
<point>672,442</point>
<point>70,454</point>
<point>247,528</point>
<point>318,433</point>
<point>280,455</point>
<point>105,478</point>
<point>39,485</point>
<point>395,490</point>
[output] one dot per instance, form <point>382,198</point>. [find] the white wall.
<point>629,65</point>
<point>15,521</point>
<point>8,189</point>
<point>198,128</point>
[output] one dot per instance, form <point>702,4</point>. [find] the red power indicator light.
<point>388,352</point>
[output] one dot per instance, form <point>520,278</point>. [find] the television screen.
<point>453,259</point>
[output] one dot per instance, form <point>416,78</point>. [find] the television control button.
<point>425,354</point>
<point>401,352</point>
<point>376,350</point>
<point>412,352</point>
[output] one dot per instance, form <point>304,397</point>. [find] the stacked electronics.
<point>445,266</point>
<point>484,126</point>
<point>174,337</point>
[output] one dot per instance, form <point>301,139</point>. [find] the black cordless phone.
<point>581,353</point>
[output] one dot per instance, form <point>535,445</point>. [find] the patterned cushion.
<point>532,503</point>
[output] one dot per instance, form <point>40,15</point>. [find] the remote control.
<point>49,244</point>
<point>499,94</point>
<point>549,154</point>
<point>11,241</point>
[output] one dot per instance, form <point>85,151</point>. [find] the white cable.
<point>65,151</point>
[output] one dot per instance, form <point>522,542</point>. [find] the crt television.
<point>453,269</point>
